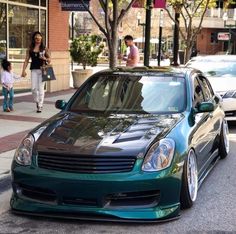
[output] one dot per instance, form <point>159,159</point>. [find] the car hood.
<point>105,135</point>
<point>223,84</point>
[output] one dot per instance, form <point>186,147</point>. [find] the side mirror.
<point>60,104</point>
<point>205,107</point>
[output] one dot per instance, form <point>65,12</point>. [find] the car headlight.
<point>159,156</point>
<point>23,154</point>
<point>230,94</point>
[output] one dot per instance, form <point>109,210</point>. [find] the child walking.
<point>7,79</point>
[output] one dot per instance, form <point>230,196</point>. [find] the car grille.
<point>85,163</point>
<point>230,113</point>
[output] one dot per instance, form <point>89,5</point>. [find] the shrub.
<point>85,50</point>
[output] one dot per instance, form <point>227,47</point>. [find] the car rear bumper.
<point>229,106</point>
<point>124,196</point>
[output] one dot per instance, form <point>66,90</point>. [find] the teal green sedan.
<point>130,145</point>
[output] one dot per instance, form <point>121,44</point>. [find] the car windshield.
<point>211,68</point>
<point>132,94</point>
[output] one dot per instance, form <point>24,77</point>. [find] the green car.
<point>130,145</point>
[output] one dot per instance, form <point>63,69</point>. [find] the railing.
<point>218,13</point>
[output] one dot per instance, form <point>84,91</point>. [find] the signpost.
<point>73,5</point>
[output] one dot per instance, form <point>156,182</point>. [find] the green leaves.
<point>85,49</point>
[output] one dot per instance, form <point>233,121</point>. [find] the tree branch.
<point>95,20</point>
<point>124,11</point>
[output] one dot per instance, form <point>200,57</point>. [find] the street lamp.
<point>229,26</point>
<point>141,24</point>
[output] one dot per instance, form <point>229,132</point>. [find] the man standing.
<point>133,56</point>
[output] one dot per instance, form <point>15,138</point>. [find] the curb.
<point>5,181</point>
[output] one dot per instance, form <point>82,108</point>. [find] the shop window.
<point>43,3</point>
<point>43,24</point>
<point>3,34</point>
<point>32,2</point>
<point>23,22</point>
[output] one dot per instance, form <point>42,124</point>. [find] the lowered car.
<point>221,72</point>
<point>130,145</point>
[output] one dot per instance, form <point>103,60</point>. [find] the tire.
<point>224,140</point>
<point>189,187</point>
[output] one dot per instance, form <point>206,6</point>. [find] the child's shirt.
<point>8,78</point>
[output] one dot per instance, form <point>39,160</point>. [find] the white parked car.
<point>221,72</point>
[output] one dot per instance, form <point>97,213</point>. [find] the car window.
<point>211,68</point>
<point>198,94</point>
<point>132,94</point>
<point>207,91</point>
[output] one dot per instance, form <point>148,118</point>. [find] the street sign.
<point>73,5</point>
<point>223,36</point>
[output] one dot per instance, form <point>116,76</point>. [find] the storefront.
<point>18,20</point>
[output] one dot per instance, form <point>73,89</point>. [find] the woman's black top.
<point>36,62</point>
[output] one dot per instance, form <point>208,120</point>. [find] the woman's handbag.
<point>47,73</point>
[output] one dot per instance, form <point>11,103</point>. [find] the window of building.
<point>3,31</point>
<point>43,3</point>
<point>43,24</point>
<point>32,2</point>
<point>23,21</point>
<point>214,39</point>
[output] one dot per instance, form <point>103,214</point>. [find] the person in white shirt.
<point>7,79</point>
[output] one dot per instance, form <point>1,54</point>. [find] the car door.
<point>215,117</point>
<point>202,136</point>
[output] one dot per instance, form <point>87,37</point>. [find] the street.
<point>213,211</point>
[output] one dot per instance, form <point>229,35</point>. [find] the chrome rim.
<point>226,136</point>
<point>192,175</point>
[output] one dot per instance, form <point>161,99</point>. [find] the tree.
<point>189,11</point>
<point>114,11</point>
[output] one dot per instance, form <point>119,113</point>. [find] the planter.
<point>80,75</point>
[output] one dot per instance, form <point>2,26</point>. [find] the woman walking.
<point>39,55</point>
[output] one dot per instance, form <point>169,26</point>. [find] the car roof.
<point>214,58</point>
<point>148,70</point>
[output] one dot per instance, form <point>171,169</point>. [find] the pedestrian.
<point>39,56</point>
<point>132,59</point>
<point>8,78</point>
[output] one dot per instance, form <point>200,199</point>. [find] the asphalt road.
<point>214,211</point>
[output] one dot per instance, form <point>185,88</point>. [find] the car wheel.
<point>189,181</point>
<point>224,140</point>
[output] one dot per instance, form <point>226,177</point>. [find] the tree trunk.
<point>113,46</point>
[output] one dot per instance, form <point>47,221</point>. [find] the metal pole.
<point>160,38</point>
<point>147,32</point>
<point>176,40</point>
<point>72,34</point>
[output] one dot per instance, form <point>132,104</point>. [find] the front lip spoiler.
<point>92,217</point>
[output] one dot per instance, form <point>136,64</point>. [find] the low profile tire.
<point>189,187</point>
<point>224,140</point>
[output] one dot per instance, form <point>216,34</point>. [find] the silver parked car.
<point>221,72</point>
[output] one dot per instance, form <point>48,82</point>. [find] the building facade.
<point>18,20</point>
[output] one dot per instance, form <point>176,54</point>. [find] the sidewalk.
<point>15,125</point>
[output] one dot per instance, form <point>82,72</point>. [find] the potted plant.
<point>85,50</point>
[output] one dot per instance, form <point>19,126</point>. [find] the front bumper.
<point>136,195</point>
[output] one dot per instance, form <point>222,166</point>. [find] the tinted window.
<point>207,92</point>
<point>132,94</point>
<point>198,94</point>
